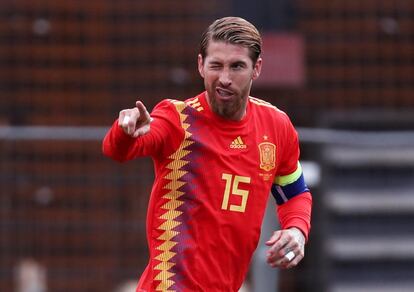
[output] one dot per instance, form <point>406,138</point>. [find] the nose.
<point>224,78</point>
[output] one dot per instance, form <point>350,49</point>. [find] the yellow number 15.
<point>232,187</point>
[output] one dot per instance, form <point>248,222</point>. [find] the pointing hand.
<point>135,121</point>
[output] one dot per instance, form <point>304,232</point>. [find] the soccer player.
<point>217,157</point>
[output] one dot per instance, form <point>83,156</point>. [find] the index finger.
<point>143,112</point>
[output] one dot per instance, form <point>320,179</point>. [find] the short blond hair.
<point>236,31</point>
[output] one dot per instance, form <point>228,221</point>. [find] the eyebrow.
<point>215,62</point>
<point>239,63</point>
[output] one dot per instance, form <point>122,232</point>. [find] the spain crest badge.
<point>267,152</point>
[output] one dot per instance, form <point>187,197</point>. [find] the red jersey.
<point>213,177</point>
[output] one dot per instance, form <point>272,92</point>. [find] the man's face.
<point>228,73</point>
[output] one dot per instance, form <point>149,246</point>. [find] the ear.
<point>200,65</point>
<point>257,68</point>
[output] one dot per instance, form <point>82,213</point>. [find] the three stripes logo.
<point>238,144</point>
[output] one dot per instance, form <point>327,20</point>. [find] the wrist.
<point>298,233</point>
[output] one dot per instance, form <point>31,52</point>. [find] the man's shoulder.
<point>170,104</point>
<point>177,107</point>
<point>266,107</point>
<point>193,102</point>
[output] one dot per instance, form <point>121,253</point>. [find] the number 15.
<point>232,187</point>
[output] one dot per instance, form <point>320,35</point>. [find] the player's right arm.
<point>137,133</point>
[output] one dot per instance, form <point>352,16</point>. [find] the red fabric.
<point>212,182</point>
<point>297,213</point>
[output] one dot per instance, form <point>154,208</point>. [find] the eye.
<point>238,66</point>
<point>214,66</point>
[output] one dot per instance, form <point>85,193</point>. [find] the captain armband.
<point>286,187</point>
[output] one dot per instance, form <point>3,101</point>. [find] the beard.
<point>228,109</point>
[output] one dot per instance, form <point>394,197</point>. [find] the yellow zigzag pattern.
<point>173,202</point>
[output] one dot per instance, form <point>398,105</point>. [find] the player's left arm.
<point>294,201</point>
<point>287,246</point>
<point>294,206</point>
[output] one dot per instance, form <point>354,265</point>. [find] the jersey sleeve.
<point>297,213</point>
<point>289,155</point>
<point>164,137</point>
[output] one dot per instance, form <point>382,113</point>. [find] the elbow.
<point>108,152</point>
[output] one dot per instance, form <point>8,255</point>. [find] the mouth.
<point>224,94</point>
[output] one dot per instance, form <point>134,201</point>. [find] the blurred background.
<point>72,220</point>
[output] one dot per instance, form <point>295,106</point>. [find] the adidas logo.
<point>238,144</point>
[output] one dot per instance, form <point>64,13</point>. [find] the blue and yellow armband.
<point>288,186</point>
